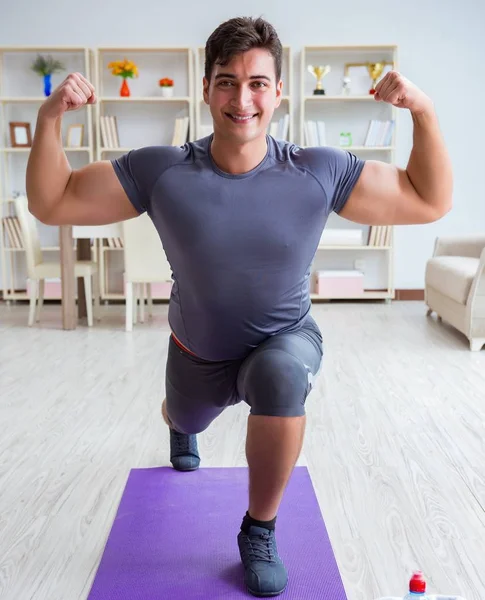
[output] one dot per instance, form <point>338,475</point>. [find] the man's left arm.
<point>422,193</point>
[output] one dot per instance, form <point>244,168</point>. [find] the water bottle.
<point>417,591</point>
<point>417,587</point>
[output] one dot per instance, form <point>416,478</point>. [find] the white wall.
<point>441,48</point>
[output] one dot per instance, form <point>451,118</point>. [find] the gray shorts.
<point>274,379</point>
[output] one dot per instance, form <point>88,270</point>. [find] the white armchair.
<point>455,285</point>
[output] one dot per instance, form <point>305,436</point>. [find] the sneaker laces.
<point>261,547</point>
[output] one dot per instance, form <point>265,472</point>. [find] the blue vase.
<point>47,84</point>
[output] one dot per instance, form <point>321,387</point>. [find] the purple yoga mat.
<point>174,538</point>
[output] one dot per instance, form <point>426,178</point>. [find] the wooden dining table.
<point>83,236</point>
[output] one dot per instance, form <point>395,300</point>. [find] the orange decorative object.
<point>125,90</point>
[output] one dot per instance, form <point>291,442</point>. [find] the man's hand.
<point>73,93</point>
<point>395,89</point>
<point>422,193</point>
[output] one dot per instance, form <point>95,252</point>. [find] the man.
<point>240,216</point>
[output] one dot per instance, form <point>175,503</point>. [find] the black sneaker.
<point>184,454</point>
<point>265,574</point>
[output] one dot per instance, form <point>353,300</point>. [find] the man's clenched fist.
<point>73,93</point>
<point>395,89</point>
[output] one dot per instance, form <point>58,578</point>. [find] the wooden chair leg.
<point>97,311</point>
<point>142,302</point>
<point>33,299</point>
<point>88,292</point>
<point>40,303</point>
<point>150,300</point>
<point>135,302</point>
<point>476,344</point>
<point>129,305</point>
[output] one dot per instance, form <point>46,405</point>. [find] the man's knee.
<point>185,423</point>
<point>190,428</point>
<point>188,425</point>
<point>277,384</point>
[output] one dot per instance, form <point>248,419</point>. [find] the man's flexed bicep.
<point>384,195</point>
<point>93,196</point>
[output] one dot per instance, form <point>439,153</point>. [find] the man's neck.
<point>238,158</point>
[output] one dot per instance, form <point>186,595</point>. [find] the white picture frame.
<point>75,136</point>
<point>20,134</point>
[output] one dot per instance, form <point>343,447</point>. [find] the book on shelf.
<point>109,131</point>
<point>12,232</point>
<point>315,134</point>
<point>114,242</point>
<point>342,237</point>
<point>279,129</point>
<point>110,136</point>
<point>379,133</point>
<point>380,235</point>
<point>180,131</point>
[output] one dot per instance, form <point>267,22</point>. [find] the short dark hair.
<point>240,35</point>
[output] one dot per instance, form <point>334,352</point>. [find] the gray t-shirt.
<point>240,246</point>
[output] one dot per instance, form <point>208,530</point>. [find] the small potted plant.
<point>166,87</point>
<point>45,66</point>
<point>125,69</point>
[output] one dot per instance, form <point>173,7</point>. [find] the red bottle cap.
<point>417,584</point>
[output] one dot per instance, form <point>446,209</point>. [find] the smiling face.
<point>243,95</point>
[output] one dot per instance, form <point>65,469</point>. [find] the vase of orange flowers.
<point>166,87</point>
<point>125,69</point>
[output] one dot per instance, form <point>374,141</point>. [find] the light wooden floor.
<point>395,446</point>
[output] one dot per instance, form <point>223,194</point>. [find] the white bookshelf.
<point>21,95</point>
<point>144,118</point>
<point>203,119</point>
<point>350,113</point>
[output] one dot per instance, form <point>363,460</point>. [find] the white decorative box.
<point>335,284</point>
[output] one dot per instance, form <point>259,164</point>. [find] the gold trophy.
<point>319,73</point>
<point>375,71</point>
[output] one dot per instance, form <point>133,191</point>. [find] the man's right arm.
<point>59,195</point>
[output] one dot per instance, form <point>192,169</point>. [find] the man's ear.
<point>279,92</point>
<point>205,90</point>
